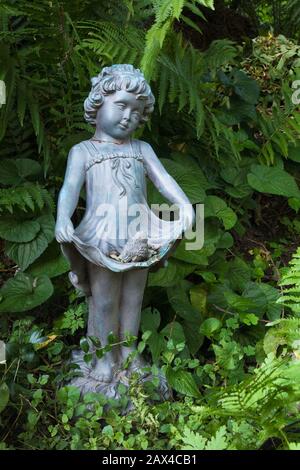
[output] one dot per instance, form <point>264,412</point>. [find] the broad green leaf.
<point>157,344</point>
<point>198,296</point>
<point>294,152</point>
<point>23,292</point>
<point>51,262</point>
<point>180,302</point>
<point>216,207</point>
<point>240,303</point>
<point>273,180</point>
<point>187,161</point>
<point>150,319</point>
<point>47,224</point>
<point>212,237</point>
<point>84,345</point>
<point>179,299</point>
<point>216,294</point>
<point>183,382</point>
<point>27,167</point>
<point>171,275</point>
<point>9,173</point>
<point>294,203</point>
<point>25,253</point>
<point>194,339</point>
<point>210,326</point>
<point>15,171</point>
<point>72,393</point>
<point>174,331</point>
<point>193,256</point>
<point>15,230</point>
<point>208,276</point>
<point>245,87</point>
<point>238,112</point>
<point>191,181</point>
<point>237,272</point>
<point>264,298</point>
<point>239,192</point>
<point>248,318</point>
<point>226,241</point>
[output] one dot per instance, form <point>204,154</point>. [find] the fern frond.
<point>291,277</point>
<point>253,395</point>
<point>28,196</point>
<point>166,12</point>
<point>221,52</point>
<point>280,129</point>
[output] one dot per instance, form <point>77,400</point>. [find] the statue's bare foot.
<point>136,364</point>
<point>103,370</point>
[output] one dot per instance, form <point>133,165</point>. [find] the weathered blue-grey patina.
<point>119,237</point>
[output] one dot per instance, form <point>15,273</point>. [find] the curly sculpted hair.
<point>115,78</point>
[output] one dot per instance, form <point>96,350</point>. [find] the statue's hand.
<point>64,231</point>
<point>188,215</point>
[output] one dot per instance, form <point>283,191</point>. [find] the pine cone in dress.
<point>136,249</point>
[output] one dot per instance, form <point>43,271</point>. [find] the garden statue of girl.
<point>112,249</point>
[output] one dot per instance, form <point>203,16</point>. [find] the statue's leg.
<point>131,300</point>
<point>104,315</point>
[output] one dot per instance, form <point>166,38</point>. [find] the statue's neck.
<point>101,136</point>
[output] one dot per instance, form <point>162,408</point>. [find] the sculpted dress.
<point>116,205</point>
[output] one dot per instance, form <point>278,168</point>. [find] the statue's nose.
<point>126,115</point>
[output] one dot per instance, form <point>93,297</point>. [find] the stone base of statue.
<point>140,370</point>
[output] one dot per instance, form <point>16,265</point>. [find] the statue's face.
<point>120,114</point>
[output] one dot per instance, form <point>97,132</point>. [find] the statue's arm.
<point>165,184</point>
<point>69,194</point>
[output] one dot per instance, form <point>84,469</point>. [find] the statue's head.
<point>113,88</point>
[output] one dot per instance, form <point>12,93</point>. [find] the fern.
<point>293,15</point>
<point>220,53</point>
<point>29,196</point>
<point>266,386</point>
<point>180,80</point>
<point>29,89</point>
<point>284,332</point>
<point>291,277</point>
<point>194,441</point>
<point>111,43</point>
<point>278,133</point>
<point>166,12</point>
<point>266,399</point>
<point>263,406</point>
